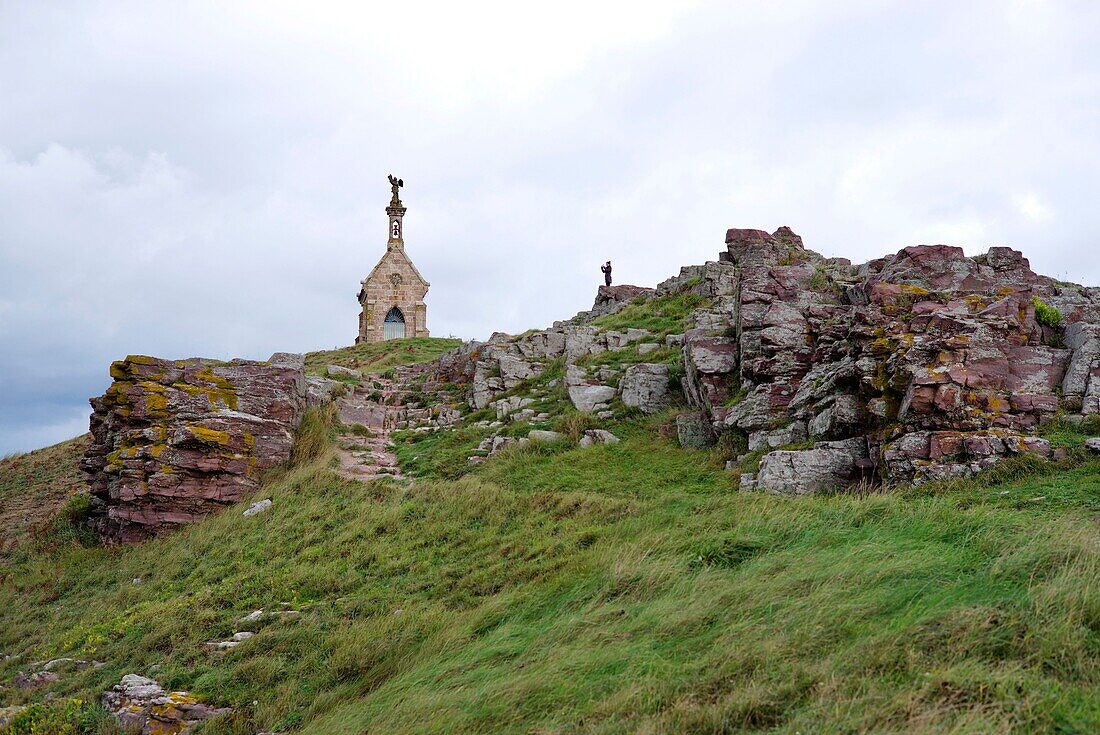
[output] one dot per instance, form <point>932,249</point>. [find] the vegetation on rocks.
<point>1045,314</point>
<point>64,717</point>
<point>378,357</point>
<point>662,315</point>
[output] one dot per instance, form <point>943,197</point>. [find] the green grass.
<point>618,589</point>
<point>1061,433</point>
<point>378,357</point>
<point>662,315</point>
<point>35,484</point>
<point>630,356</point>
<point>66,717</point>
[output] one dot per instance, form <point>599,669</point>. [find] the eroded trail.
<point>366,453</point>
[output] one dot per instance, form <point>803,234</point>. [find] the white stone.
<point>257,508</point>
<point>339,371</point>
<point>828,466</point>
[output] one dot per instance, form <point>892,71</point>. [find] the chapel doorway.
<point>394,326</point>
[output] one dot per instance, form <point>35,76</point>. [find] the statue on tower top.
<point>395,184</point>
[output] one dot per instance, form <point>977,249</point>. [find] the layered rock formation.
<point>174,440</point>
<point>937,363</point>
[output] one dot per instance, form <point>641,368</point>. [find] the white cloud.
<point>1031,207</point>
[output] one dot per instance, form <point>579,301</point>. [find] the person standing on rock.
<point>606,268</point>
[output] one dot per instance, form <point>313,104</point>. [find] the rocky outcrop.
<point>174,440</point>
<point>921,365</point>
<point>141,705</point>
<point>939,363</point>
<point>610,299</point>
<point>496,366</point>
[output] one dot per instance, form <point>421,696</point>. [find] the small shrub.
<point>360,430</point>
<point>676,374</point>
<point>726,553</point>
<point>820,281</point>
<point>730,446</point>
<point>1045,314</point>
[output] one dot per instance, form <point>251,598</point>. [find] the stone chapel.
<point>392,295</point>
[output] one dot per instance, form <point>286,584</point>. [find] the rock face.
<point>610,299</point>
<point>174,440</point>
<point>586,394</point>
<point>935,361</point>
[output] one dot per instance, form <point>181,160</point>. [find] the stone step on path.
<point>369,457</point>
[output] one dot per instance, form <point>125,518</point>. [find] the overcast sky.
<point>211,179</point>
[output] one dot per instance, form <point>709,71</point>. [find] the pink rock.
<point>173,440</point>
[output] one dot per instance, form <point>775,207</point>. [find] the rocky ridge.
<point>922,365</point>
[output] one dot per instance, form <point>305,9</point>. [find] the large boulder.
<point>174,440</point>
<point>693,431</point>
<point>646,386</point>
<point>829,466</point>
<point>586,394</point>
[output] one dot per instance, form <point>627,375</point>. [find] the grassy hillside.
<point>377,357</point>
<point>618,589</point>
<point>35,484</point>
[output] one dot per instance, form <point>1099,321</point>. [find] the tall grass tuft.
<point>314,435</point>
<point>574,424</point>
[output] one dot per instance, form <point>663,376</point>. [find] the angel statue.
<point>395,183</point>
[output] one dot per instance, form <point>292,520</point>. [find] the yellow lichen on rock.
<point>208,435</point>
